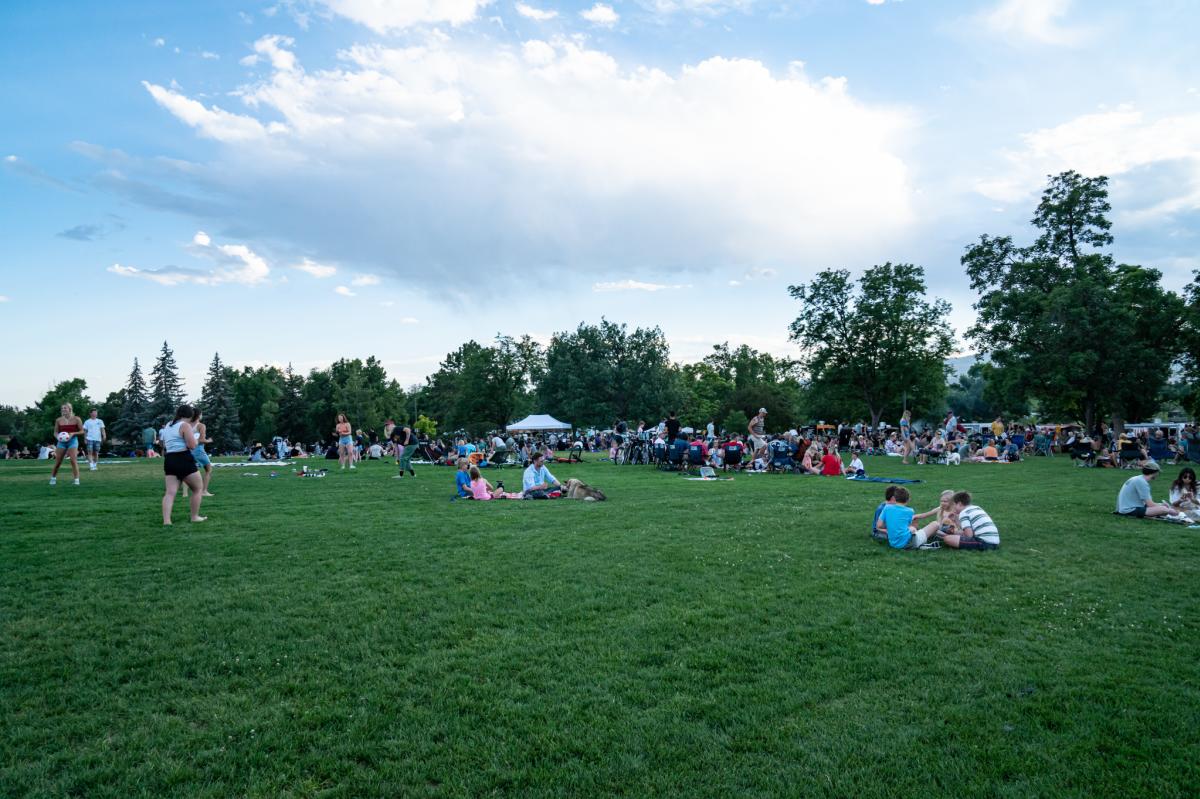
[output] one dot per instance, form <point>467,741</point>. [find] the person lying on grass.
<point>537,481</point>
<point>1134,499</point>
<point>895,520</point>
<point>945,520</point>
<point>978,530</point>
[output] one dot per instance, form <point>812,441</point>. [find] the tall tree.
<point>220,409</point>
<point>135,410</point>
<point>166,389</point>
<point>293,411</point>
<point>1045,310</point>
<point>874,347</point>
<point>1190,349</point>
<point>256,393</point>
<point>479,388</point>
<point>39,419</point>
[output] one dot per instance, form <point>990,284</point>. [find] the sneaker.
<point>397,477</point>
<point>76,481</point>
<point>91,467</point>
<point>931,545</point>
<point>53,481</point>
<point>352,466</point>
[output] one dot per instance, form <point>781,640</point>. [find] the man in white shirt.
<point>95,435</point>
<point>537,480</point>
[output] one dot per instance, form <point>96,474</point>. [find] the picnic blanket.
<point>248,463</point>
<point>896,480</point>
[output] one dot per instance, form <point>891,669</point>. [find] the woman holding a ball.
<point>66,433</point>
<point>179,466</point>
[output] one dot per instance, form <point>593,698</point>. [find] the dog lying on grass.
<point>577,489</point>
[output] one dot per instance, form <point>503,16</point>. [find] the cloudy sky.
<point>309,179</point>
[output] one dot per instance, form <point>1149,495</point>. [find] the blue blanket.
<point>896,480</point>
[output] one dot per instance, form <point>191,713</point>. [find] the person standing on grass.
<point>67,428</point>
<point>672,428</point>
<point>905,436</point>
<point>758,434</point>
<point>1134,499</point>
<point>407,444</point>
<point>978,531</point>
<point>94,437</point>
<point>179,467</point>
<point>343,431</point>
<point>200,454</point>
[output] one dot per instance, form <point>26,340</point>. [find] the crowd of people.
<point>816,450</point>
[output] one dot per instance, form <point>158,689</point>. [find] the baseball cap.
<point>1151,466</point>
<point>762,410</point>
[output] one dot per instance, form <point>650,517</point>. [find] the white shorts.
<point>758,441</point>
<point>918,539</point>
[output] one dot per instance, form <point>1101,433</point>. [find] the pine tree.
<point>166,392</point>
<point>293,410</point>
<point>135,409</point>
<point>220,410</point>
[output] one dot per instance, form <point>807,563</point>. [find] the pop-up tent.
<point>536,423</point>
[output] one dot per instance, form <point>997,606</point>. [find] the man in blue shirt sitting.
<point>537,480</point>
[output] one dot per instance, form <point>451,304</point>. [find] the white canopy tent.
<point>536,423</point>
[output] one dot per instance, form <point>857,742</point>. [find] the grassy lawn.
<point>363,636</point>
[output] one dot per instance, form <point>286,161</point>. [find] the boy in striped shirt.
<point>978,530</point>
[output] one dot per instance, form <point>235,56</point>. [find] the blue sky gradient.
<point>300,181</point>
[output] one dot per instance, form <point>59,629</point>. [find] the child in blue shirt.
<point>896,521</point>
<point>462,479</point>
<point>889,498</point>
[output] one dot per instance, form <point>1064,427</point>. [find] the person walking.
<point>179,467</point>
<point>200,454</point>
<point>94,435</point>
<point>758,434</point>
<point>408,445</point>
<point>67,428</point>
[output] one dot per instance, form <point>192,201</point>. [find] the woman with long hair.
<point>67,428</point>
<point>343,431</point>
<point>1183,494</point>
<point>179,467</point>
<point>200,454</point>
<point>906,436</point>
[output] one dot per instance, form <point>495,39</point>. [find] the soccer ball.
<point>64,437</point>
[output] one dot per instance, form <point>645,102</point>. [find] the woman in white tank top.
<point>179,467</point>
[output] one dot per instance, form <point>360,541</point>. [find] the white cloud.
<point>315,269</point>
<point>536,14</point>
<point>209,55</point>
<point>408,320</point>
<point>1116,143</point>
<point>601,14</point>
<point>876,2</point>
<point>3,298</point>
<point>1034,20</point>
<point>159,42</point>
<point>212,123</point>
<point>633,285</point>
<point>387,16</point>
<point>365,280</point>
<point>233,263</point>
<point>344,291</point>
<point>544,156</point>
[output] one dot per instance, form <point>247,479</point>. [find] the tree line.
<point>1063,331</point>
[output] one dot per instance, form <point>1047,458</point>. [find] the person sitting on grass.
<point>831,464</point>
<point>889,498</point>
<point>896,521</point>
<point>944,521</point>
<point>856,468</point>
<point>481,489</point>
<point>1183,494</point>
<point>978,531</point>
<point>537,482</point>
<point>462,479</point>
<point>1134,499</point>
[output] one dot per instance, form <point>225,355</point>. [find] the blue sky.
<point>299,181</point>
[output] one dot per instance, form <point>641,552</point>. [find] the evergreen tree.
<point>166,389</point>
<point>293,410</point>
<point>134,413</point>
<point>220,409</point>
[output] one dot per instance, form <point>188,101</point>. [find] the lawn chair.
<point>675,457</point>
<point>1159,450</point>
<point>575,455</point>
<point>1130,455</point>
<point>780,453</point>
<point>499,458</point>
<point>733,456</point>
<point>1083,454</point>
<point>696,457</point>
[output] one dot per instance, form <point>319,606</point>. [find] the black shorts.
<point>970,542</point>
<point>1137,513</point>
<point>179,464</point>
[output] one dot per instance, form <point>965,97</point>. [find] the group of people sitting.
<point>956,522</point>
<point>1182,504</point>
<point>536,483</point>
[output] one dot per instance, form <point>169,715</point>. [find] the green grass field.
<point>364,636</point>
